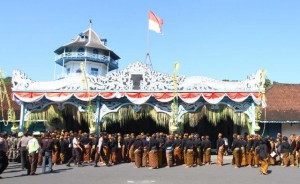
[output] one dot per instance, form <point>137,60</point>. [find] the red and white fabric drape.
<point>138,97</point>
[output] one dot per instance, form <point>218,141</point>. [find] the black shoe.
<point>96,165</point>
<point>80,165</point>
<point>68,165</point>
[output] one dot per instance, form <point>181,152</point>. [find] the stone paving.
<point>126,173</point>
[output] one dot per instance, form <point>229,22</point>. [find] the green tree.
<point>268,83</point>
<point>7,80</point>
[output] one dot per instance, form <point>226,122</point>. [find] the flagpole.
<point>148,40</point>
<point>148,47</point>
<point>155,24</point>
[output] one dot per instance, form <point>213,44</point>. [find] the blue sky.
<point>222,39</point>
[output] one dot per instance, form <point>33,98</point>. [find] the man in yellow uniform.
<point>33,147</point>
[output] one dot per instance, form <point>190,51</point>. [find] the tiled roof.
<point>92,41</point>
<point>283,102</point>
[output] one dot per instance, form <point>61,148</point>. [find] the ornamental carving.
<point>145,79</point>
<point>20,80</point>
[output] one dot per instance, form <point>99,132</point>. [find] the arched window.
<point>80,52</point>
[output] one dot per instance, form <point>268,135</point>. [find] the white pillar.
<point>108,63</point>
<point>97,120</point>
<point>22,117</point>
<point>252,117</point>
<point>54,77</point>
<point>85,56</point>
<point>63,65</point>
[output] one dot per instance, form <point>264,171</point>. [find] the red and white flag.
<point>155,23</point>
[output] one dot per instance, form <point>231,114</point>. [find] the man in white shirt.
<point>225,146</point>
<point>76,152</point>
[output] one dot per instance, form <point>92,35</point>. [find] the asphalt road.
<point>126,174</point>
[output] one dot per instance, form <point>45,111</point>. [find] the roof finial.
<point>90,23</point>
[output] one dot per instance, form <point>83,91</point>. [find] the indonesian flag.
<point>155,23</point>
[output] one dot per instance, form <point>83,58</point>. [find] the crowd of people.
<point>144,150</point>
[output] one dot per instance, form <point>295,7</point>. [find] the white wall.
<point>288,129</point>
<point>102,70</point>
<point>75,65</point>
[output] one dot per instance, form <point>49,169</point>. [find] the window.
<point>80,49</point>
<point>83,37</point>
<point>80,52</point>
<point>68,70</point>
<point>67,49</point>
<point>78,71</point>
<point>94,71</point>
<point>95,51</point>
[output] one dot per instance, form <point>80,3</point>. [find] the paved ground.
<point>126,173</point>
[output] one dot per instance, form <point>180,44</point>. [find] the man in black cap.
<point>145,150</point>
<point>47,146</point>
<point>22,144</point>
<point>12,142</point>
<point>153,152</point>
<point>102,150</point>
<point>98,150</point>
<point>3,153</point>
